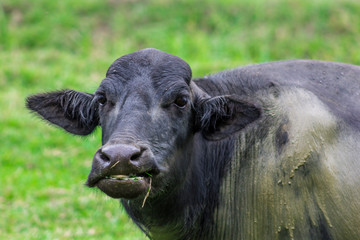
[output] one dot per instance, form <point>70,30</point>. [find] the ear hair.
<point>221,116</point>
<point>210,111</point>
<point>76,106</point>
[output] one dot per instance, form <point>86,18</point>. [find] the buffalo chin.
<point>128,189</point>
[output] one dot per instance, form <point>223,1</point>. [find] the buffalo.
<point>266,151</point>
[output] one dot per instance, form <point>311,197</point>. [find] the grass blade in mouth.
<point>114,164</point>
<point>148,174</point>
<point>125,177</point>
<point>147,194</point>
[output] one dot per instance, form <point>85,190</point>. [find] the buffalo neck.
<point>185,208</point>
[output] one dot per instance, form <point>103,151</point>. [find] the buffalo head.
<point>149,110</point>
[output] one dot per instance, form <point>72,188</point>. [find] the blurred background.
<point>48,45</point>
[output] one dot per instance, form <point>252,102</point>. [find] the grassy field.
<point>47,45</point>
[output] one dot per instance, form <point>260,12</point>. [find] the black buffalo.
<point>268,151</point>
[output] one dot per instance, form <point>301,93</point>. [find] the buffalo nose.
<point>120,153</point>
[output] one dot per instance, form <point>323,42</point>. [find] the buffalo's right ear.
<point>76,112</point>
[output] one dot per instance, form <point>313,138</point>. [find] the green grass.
<point>47,45</point>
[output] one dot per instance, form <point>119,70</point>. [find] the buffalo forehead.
<point>149,62</point>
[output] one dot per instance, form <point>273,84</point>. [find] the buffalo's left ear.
<point>220,117</point>
<point>76,112</point>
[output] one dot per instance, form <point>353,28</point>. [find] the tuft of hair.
<point>211,111</point>
<point>79,106</point>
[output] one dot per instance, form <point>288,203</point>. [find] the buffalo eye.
<point>181,101</point>
<point>101,99</point>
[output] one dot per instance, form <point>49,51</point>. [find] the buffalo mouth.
<point>125,186</point>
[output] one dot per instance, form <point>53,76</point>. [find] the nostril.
<point>103,156</point>
<point>136,156</point>
<point>120,153</point>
